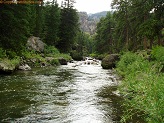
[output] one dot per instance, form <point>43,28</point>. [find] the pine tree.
<point>52,23</point>
<point>14,26</point>
<point>68,29</point>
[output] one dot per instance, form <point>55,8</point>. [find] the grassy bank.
<point>143,84</point>
<point>50,56</point>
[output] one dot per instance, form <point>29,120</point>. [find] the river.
<point>62,94</point>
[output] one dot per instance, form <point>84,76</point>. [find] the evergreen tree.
<point>14,26</point>
<point>39,20</point>
<point>68,29</point>
<point>138,23</point>
<point>103,38</point>
<point>52,23</point>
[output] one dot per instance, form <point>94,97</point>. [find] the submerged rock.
<point>109,61</point>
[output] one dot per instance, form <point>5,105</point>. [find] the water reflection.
<point>64,94</point>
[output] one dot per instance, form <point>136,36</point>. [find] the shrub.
<point>2,53</point>
<point>51,50</point>
<point>158,54</point>
<point>127,59</point>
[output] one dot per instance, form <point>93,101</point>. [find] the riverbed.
<point>60,94</point>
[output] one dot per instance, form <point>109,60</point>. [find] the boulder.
<point>34,43</point>
<point>24,67</point>
<point>109,61</point>
<point>62,61</point>
<point>6,68</point>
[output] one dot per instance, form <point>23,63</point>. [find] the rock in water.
<point>6,68</point>
<point>24,67</point>
<point>62,61</point>
<point>109,61</point>
<point>34,43</point>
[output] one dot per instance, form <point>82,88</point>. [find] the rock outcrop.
<point>88,23</point>
<point>109,61</point>
<point>34,43</point>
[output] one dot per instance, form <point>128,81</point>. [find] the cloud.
<point>92,6</point>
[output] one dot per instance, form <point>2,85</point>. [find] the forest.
<point>134,29</point>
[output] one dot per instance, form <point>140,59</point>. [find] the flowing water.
<point>63,94</point>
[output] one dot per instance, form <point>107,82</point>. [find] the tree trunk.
<point>151,43</point>
<point>127,38</point>
<point>145,43</point>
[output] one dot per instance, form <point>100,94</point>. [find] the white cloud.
<point>92,6</point>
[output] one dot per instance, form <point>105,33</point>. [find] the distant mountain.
<point>98,15</point>
<point>88,22</point>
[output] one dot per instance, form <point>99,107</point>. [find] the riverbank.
<point>143,84</point>
<point>50,57</point>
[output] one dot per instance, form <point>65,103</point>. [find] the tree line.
<point>56,26</point>
<point>134,24</point>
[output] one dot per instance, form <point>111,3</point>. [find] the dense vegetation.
<point>143,84</point>
<point>134,25</point>
<point>58,27</point>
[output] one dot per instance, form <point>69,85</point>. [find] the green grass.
<point>142,86</point>
<point>50,51</point>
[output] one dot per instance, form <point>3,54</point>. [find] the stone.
<point>109,61</point>
<point>6,68</point>
<point>34,43</point>
<point>24,67</point>
<point>62,61</point>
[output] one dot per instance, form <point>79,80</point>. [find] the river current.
<point>63,94</point>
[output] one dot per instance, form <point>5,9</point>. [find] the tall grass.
<point>142,86</point>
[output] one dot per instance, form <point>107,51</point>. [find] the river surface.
<point>63,94</point>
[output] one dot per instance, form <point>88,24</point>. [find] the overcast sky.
<point>92,6</point>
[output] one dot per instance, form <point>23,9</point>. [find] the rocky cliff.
<point>88,22</point>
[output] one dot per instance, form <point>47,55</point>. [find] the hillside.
<point>88,22</point>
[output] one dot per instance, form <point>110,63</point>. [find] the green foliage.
<point>54,62</point>
<point>127,59</point>
<point>15,61</point>
<point>2,53</point>
<point>82,46</point>
<point>77,55</point>
<point>142,87</point>
<point>65,56</point>
<point>103,38</point>
<point>11,54</point>
<point>52,23</point>
<point>51,50</point>
<point>15,28</point>
<point>98,56</point>
<point>158,54</point>
<point>68,29</point>
<point>136,24</point>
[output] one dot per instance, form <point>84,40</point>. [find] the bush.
<point>76,55</point>
<point>2,53</point>
<point>158,54</point>
<point>51,50</point>
<point>98,56</point>
<point>11,54</point>
<point>127,59</point>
